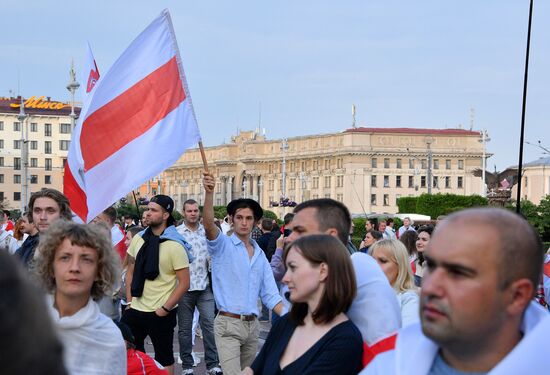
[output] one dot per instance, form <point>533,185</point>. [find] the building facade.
<point>46,133</point>
<point>367,169</point>
<point>535,181</point>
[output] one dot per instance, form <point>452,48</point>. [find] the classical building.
<point>365,168</point>
<point>46,132</point>
<point>535,181</point>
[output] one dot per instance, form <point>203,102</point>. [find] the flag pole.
<point>137,205</point>
<point>518,196</point>
<point>203,156</point>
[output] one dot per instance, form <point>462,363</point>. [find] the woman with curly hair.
<point>77,265</point>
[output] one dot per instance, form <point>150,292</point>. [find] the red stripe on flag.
<point>369,352</point>
<point>547,270</point>
<point>77,197</point>
<point>131,114</point>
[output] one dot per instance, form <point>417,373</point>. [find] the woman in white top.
<point>77,265</point>
<point>393,258</point>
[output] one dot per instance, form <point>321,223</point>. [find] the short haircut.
<point>190,201</point>
<point>111,214</point>
<point>409,238</point>
<point>520,252</point>
<point>376,234</point>
<point>340,284</point>
<point>267,224</point>
<point>330,214</point>
<point>85,235</point>
<point>382,221</point>
<point>134,230</point>
<point>58,197</point>
<point>399,255</point>
<point>389,221</point>
<point>288,218</point>
<point>426,228</point>
<point>33,346</point>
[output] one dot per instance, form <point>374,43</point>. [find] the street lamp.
<point>284,147</point>
<point>24,157</point>
<point>72,86</point>
<point>483,140</point>
<point>245,184</point>
<point>260,190</point>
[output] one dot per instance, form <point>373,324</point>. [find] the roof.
<point>537,163</point>
<point>414,131</point>
<point>34,105</point>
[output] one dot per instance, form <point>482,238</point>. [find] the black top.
<point>339,351</point>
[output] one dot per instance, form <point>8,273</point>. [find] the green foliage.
<point>177,215</point>
<point>537,216</point>
<point>434,205</point>
<point>129,209</point>
<point>359,231</point>
<point>270,215</point>
<point>407,205</point>
<point>219,211</point>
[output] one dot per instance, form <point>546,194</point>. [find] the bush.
<point>434,205</point>
<point>270,215</point>
<point>407,205</point>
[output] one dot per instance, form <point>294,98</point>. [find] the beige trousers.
<point>237,342</point>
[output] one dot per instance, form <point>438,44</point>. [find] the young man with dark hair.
<point>157,277</point>
<point>108,216</point>
<point>199,296</point>
<point>45,207</point>
<point>240,274</point>
<point>477,310</point>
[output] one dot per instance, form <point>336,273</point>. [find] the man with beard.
<point>477,310</point>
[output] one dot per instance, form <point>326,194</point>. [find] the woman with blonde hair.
<point>393,258</point>
<point>76,264</point>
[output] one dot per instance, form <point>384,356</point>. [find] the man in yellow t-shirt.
<point>157,277</point>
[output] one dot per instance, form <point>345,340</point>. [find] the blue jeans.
<point>204,301</point>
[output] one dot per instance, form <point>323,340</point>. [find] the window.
<point>16,178</point>
<point>16,127</point>
<point>314,165</point>
<point>270,168</point>
<point>339,163</point>
<point>48,147</point>
<point>397,196</point>
<point>327,181</point>
<point>386,199</point>
<point>423,164</point>
<point>63,145</point>
<point>327,163</point>
<point>48,130</point>
<point>1,143</point>
<point>386,162</point>
<point>17,164</point>
<point>423,181</point>
<point>34,179</point>
<point>327,195</point>
<point>1,125</point>
<point>448,164</point>
<point>447,182</point>
<point>411,181</point>
<point>386,181</point>
<point>271,185</point>
<point>436,182</point>
<point>292,183</point>
<point>339,181</point>
<point>34,162</point>
<point>461,164</point>
<point>1,161</point>
<point>397,181</point>
<point>303,166</point>
<point>17,196</point>
<point>459,182</point>
<point>47,179</point>
<point>373,162</point>
<point>373,199</point>
<point>65,128</point>
<point>1,178</point>
<point>315,182</point>
<point>34,145</point>
<point>64,162</point>
<point>340,197</point>
<point>34,127</point>
<point>17,144</point>
<point>436,163</point>
<point>292,166</point>
<point>373,181</point>
<point>411,163</point>
<point>1,195</point>
<point>398,163</point>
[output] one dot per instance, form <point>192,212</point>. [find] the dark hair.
<point>409,240</point>
<point>58,197</point>
<point>424,228</point>
<point>340,284</point>
<point>33,346</point>
<point>237,204</point>
<point>288,218</point>
<point>111,213</point>
<point>134,230</point>
<point>267,224</point>
<point>190,201</point>
<point>389,221</point>
<point>330,214</point>
<point>376,234</point>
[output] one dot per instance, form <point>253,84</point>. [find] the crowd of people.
<point>466,296</point>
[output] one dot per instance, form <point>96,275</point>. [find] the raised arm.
<point>210,228</point>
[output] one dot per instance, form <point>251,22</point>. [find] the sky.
<point>296,67</point>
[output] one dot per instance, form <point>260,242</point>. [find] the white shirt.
<point>7,241</point>
<point>198,269</point>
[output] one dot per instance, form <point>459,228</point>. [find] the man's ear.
<point>521,292</point>
<point>332,231</point>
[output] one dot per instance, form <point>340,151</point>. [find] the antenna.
<point>353,116</point>
<point>259,115</point>
<point>472,118</point>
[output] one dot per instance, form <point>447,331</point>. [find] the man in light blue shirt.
<point>240,274</point>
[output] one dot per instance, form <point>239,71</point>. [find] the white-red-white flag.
<point>137,123</point>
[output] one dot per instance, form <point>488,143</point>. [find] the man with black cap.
<point>157,277</point>
<point>240,275</point>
